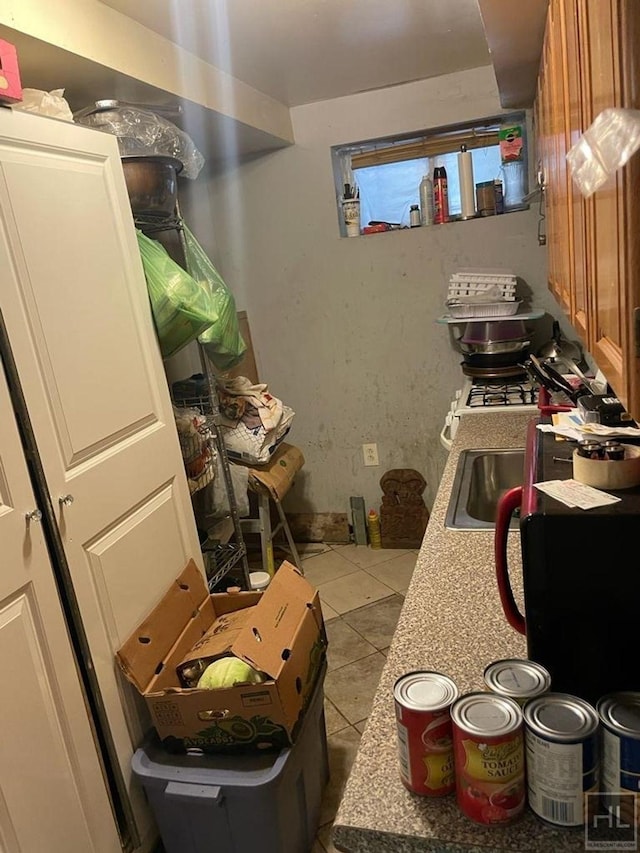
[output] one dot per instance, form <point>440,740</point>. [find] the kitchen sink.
<point>481,478</point>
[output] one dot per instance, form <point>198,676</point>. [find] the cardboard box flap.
<point>187,599</point>
<point>215,643</point>
<point>266,639</point>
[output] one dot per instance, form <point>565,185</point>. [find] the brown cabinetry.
<point>590,61</point>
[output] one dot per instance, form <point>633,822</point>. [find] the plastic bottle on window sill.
<point>373,526</point>
<point>414,216</point>
<point>426,200</point>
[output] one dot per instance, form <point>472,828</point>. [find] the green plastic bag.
<point>222,342</point>
<point>182,309</point>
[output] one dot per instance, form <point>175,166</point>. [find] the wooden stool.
<point>271,482</point>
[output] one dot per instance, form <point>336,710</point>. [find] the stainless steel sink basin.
<point>481,478</point>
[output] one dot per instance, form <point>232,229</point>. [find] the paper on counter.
<point>575,494</point>
<point>572,433</point>
<point>578,432</point>
<point>610,431</point>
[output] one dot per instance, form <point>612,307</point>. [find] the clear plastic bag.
<point>222,342</point>
<point>606,145</point>
<point>143,133</point>
<point>181,308</point>
<point>45,103</point>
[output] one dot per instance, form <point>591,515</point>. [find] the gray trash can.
<point>267,802</point>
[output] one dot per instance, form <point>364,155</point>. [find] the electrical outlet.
<point>370,454</point>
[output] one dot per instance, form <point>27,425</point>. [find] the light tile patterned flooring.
<point>362,592</point>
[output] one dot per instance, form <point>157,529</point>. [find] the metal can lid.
<point>517,678</point>
<point>486,714</point>
<point>561,717</point>
<point>620,712</point>
<point>425,691</point>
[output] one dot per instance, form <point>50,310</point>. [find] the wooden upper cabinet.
<point>590,62</point>
<point>599,43</point>
<point>574,127</point>
<point>559,233</point>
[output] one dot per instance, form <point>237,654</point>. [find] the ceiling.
<point>279,53</point>
<point>301,51</point>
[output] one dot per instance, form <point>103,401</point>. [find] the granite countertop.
<point>451,622</point>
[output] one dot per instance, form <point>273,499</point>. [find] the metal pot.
<point>495,347</point>
<point>494,330</point>
<point>497,359</point>
<point>152,184</point>
<point>499,373</point>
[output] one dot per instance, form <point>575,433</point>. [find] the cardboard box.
<point>277,475</point>
<point>10,86</point>
<point>282,636</point>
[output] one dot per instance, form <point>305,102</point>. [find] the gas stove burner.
<point>508,393</point>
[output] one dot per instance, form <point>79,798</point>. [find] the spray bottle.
<point>426,200</point>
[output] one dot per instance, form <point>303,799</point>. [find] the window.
<point>387,173</point>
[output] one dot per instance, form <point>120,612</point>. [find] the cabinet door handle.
<point>34,515</point>
<point>65,500</point>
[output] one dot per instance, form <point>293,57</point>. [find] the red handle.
<point>507,505</point>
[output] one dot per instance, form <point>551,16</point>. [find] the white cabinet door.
<point>52,794</point>
<point>77,312</point>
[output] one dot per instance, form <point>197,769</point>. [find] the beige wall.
<point>345,329</point>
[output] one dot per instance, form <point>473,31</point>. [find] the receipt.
<point>575,494</point>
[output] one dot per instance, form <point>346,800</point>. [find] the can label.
<point>425,750</point>
<point>490,783</point>
<point>620,762</point>
<point>558,777</point>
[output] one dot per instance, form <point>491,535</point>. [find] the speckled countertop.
<point>451,622</point>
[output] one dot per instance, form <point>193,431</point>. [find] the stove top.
<point>492,394</point>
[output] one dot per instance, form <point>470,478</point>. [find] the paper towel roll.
<point>467,190</point>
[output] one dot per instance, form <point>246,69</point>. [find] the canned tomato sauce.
<point>518,679</point>
<point>620,718</point>
<point>423,721</point>
<point>489,757</point>
<point>561,739</point>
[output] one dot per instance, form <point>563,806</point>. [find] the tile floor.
<point>362,592</point>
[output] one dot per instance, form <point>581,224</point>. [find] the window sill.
<point>453,221</point>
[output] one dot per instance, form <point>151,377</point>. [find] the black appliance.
<point>581,578</point>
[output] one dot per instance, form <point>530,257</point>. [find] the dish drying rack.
<point>478,292</point>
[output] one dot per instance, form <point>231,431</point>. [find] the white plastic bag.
<point>612,138</point>
<point>45,103</point>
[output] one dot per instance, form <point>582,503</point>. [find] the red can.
<point>488,747</point>
<point>440,196</point>
<point>425,747</point>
